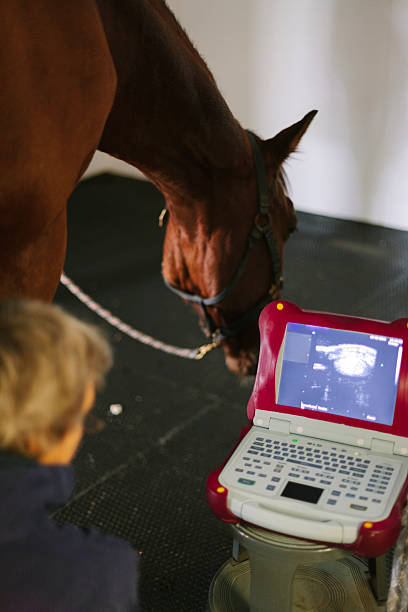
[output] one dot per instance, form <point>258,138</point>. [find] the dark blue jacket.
<point>46,568</point>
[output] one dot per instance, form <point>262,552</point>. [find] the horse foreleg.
<point>31,261</point>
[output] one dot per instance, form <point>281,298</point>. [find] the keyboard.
<point>335,477</point>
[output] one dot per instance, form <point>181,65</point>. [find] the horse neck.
<point>169,118</point>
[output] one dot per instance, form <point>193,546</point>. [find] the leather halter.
<point>261,229</point>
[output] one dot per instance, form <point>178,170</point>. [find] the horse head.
<point>223,253</point>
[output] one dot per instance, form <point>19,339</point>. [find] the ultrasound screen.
<point>346,373</point>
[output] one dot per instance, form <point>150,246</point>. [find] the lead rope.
<point>106,315</point>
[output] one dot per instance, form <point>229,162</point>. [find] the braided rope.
<point>106,315</point>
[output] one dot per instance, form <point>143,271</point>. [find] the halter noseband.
<point>261,229</point>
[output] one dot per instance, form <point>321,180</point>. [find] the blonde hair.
<point>47,359</point>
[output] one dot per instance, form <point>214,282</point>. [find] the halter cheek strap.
<point>261,229</point>
<point>262,225</point>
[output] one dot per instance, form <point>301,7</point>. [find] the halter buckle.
<point>276,288</point>
<point>262,222</point>
<point>162,217</point>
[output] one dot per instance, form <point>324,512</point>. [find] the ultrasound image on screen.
<point>347,373</point>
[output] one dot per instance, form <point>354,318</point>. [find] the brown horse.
<point>122,77</point>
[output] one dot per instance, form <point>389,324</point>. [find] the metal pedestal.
<point>269,572</point>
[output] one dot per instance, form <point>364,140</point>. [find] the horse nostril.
<point>244,364</point>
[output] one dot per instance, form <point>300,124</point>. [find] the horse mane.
<point>178,28</point>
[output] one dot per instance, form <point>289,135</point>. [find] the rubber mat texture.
<point>142,477</point>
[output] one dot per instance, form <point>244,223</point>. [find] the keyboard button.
<point>270,488</point>
<point>305,463</point>
<point>275,479</point>
<point>336,493</point>
<point>332,502</point>
<point>358,507</point>
<point>246,481</point>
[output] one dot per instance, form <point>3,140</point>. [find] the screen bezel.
<point>272,325</point>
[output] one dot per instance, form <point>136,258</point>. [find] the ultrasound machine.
<point>325,457</point>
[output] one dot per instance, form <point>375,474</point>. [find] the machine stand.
<point>269,572</point>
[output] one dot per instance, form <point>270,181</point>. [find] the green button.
<point>246,481</point>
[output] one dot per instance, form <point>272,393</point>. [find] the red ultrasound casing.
<point>378,537</point>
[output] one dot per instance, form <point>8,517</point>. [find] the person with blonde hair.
<point>50,366</point>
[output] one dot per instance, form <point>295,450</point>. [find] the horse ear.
<point>286,142</point>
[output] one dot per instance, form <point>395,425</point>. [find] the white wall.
<point>274,60</point>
